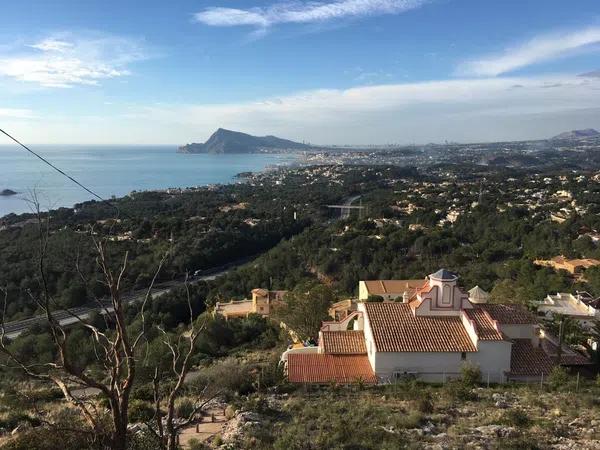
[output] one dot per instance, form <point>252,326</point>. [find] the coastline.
<point>158,170</point>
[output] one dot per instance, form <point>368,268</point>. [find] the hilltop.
<point>577,134</point>
<point>227,141</point>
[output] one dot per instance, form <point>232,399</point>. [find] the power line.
<point>60,171</point>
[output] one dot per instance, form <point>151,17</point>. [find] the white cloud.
<point>460,109</point>
<point>303,12</point>
<point>66,60</point>
<point>15,113</point>
<point>539,49</point>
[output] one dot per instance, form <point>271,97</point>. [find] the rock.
<point>496,430</point>
<point>417,431</point>
<point>575,422</point>
<point>428,428</point>
<point>501,404</point>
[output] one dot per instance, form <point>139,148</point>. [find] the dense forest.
<point>200,229</point>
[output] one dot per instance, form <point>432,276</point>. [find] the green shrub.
<point>13,419</point>
<point>470,374</point>
<point>195,444</point>
<point>425,404</point>
<point>517,418</point>
<point>184,408</point>
<point>143,392</point>
<point>558,378</point>
<point>228,376</point>
<point>140,411</point>
<point>457,390</point>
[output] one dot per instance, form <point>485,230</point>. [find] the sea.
<point>114,171</point>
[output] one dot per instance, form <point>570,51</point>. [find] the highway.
<point>72,315</point>
<point>346,212</point>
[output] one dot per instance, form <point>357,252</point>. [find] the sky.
<point>346,72</point>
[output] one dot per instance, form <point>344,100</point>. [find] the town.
<point>346,279</point>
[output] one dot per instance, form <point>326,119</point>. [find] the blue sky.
<point>331,72</point>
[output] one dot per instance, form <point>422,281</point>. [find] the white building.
<point>429,336</point>
<point>582,307</point>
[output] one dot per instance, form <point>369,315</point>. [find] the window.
<point>446,295</point>
<point>463,356</point>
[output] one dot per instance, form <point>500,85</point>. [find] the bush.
<point>184,408</point>
<point>229,376</point>
<point>558,378</point>
<point>43,438</point>
<point>195,444</point>
<point>456,390</point>
<point>13,419</point>
<point>143,392</point>
<point>470,374</point>
<point>425,404</point>
<point>140,411</point>
<point>517,418</point>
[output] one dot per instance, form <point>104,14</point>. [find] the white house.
<point>429,335</point>
<point>581,307</point>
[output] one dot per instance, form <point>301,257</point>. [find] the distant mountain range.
<point>226,141</point>
<point>577,134</point>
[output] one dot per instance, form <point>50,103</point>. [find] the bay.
<point>114,171</point>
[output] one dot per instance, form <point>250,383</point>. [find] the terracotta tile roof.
<point>569,356</point>
<point>527,360</point>
<point>383,287</point>
<point>484,326</point>
<point>344,342</point>
<point>509,314</point>
<point>396,329</point>
<point>323,368</point>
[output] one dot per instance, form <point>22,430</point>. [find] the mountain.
<point>227,141</point>
<point>592,74</point>
<point>577,134</point>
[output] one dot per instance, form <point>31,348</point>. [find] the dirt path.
<point>206,428</point>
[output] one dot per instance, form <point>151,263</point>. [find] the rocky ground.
<point>514,417</point>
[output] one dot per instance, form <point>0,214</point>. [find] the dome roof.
<point>444,275</point>
<point>478,295</point>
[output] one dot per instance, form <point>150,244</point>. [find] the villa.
<point>575,267</point>
<point>261,303</point>
<point>429,334</point>
<point>581,307</point>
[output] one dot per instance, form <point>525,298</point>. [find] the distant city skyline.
<point>345,72</point>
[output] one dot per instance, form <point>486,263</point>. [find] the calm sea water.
<point>113,171</point>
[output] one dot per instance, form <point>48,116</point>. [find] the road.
<point>346,212</point>
<point>72,315</point>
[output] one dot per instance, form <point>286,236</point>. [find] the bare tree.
<point>115,349</point>
<point>181,351</point>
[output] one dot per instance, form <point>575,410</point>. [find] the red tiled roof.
<point>527,360</point>
<point>324,368</point>
<point>484,326</point>
<point>396,329</point>
<point>508,314</point>
<point>383,287</point>
<point>344,342</point>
